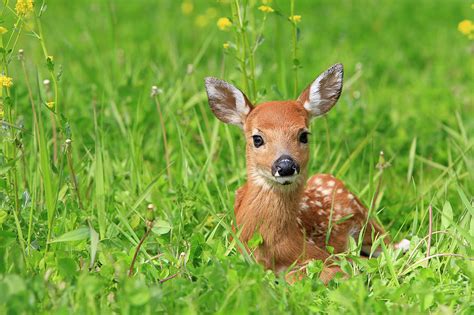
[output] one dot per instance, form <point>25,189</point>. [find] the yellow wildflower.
<point>50,104</point>
<point>24,7</point>
<point>466,27</point>
<point>187,7</point>
<point>265,8</point>
<point>3,30</point>
<point>201,20</point>
<point>226,45</point>
<point>5,81</point>
<point>224,23</point>
<point>295,18</point>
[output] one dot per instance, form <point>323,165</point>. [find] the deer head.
<point>276,132</point>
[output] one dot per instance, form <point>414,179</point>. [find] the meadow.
<point>117,183</point>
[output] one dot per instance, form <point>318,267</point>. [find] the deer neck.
<point>272,211</point>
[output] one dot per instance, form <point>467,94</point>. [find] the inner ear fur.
<point>323,93</point>
<point>228,103</point>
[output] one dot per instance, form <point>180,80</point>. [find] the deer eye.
<point>257,141</point>
<point>304,137</point>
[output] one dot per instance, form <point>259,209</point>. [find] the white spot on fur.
<point>350,196</point>
<point>318,181</point>
<point>304,206</point>
<point>321,225</point>
<point>339,190</point>
<point>326,192</point>
<point>331,183</point>
<point>317,203</point>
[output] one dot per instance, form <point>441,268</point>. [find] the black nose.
<point>285,166</point>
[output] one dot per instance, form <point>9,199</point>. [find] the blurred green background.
<point>408,92</point>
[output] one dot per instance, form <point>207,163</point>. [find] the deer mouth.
<point>263,177</point>
<point>285,180</point>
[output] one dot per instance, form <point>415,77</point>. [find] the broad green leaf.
<point>77,235</point>
<point>135,221</point>
<point>161,227</point>
<point>66,266</point>
<point>447,216</point>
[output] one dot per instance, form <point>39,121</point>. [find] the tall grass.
<point>85,150</point>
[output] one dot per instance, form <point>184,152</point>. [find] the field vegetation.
<point>117,183</point>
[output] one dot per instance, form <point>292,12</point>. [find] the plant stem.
<point>430,231</point>
<point>165,141</point>
<point>73,174</point>
<point>11,154</point>
<point>381,165</point>
<point>295,41</point>
<point>243,46</point>
<point>36,132</point>
<point>132,264</point>
<point>55,119</point>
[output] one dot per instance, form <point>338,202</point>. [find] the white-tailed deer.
<point>293,217</point>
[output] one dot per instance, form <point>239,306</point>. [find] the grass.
<point>72,213</point>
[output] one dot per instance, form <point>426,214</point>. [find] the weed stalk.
<point>154,94</point>
<point>150,221</point>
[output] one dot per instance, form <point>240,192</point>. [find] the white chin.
<point>285,180</point>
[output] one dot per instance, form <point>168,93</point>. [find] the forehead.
<point>278,114</point>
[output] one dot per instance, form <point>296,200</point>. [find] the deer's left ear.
<point>321,95</point>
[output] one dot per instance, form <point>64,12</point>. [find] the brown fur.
<point>292,230</point>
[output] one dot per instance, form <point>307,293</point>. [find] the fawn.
<point>292,218</point>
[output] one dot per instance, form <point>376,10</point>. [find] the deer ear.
<point>321,95</point>
<point>227,102</point>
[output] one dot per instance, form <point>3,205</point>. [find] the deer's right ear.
<point>227,102</point>
<point>321,95</point>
